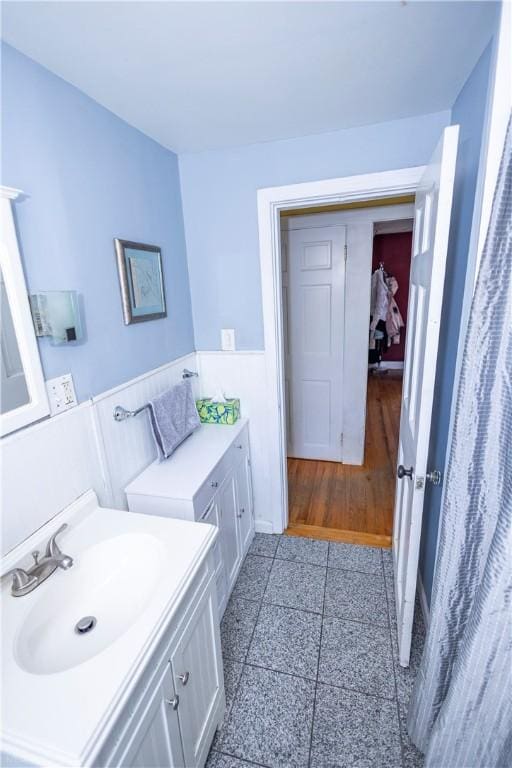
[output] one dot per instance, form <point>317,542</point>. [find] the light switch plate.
<point>227,339</point>
<point>61,394</point>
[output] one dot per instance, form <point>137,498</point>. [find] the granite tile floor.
<point>311,660</point>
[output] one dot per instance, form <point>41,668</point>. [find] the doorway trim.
<point>271,201</point>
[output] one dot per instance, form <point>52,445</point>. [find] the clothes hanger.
<point>381,267</point>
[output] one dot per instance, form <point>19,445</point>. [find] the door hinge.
<point>346,251</point>
<point>341,438</point>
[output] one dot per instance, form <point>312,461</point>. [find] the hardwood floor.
<point>345,503</point>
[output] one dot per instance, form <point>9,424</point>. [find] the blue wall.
<point>468,112</point>
<point>219,204</point>
<point>90,177</point>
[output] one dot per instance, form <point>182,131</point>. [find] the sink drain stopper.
<point>85,625</point>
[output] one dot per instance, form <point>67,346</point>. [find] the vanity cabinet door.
<point>244,503</point>
<point>198,679</point>
<point>211,515</point>
<point>156,741</point>
<point>228,511</point>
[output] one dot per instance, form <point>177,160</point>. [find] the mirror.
<point>23,398</point>
<point>13,386</point>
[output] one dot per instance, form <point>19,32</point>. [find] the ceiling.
<point>204,75</point>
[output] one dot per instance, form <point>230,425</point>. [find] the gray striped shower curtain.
<point>460,713</point>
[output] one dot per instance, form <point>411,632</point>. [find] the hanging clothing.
<point>379,300</point>
<point>460,713</point>
<point>394,319</point>
<point>380,343</point>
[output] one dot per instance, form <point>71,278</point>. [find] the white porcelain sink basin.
<point>112,581</point>
<point>62,691</point>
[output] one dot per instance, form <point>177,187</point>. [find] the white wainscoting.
<point>242,374</point>
<point>44,468</point>
<point>127,447</point>
<point>48,465</point>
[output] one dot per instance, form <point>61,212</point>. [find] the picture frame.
<point>141,280</point>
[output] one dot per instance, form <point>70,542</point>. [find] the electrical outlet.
<point>227,339</point>
<point>61,394</point>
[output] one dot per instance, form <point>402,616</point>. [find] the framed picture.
<point>142,281</point>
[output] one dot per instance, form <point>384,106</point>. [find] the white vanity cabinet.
<point>208,478</point>
<point>180,699</point>
<point>148,691</point>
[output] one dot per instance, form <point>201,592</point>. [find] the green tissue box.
<point>211,412</point>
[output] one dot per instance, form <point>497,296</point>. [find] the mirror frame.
<point>16,289</point>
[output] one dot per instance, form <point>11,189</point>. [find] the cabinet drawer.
<point>213,482</point>
<point>240,447</point>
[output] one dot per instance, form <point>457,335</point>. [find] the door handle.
<point>174,703</point>
<point>403,472</point>
<point>184,678</point>
<point>435,477</point>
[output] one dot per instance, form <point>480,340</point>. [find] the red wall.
<point>395,252</point>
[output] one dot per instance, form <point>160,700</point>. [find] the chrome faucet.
<point>24,582</point>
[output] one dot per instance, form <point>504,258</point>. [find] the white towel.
<point>173,418</point>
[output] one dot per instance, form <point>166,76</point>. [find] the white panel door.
<point>314,328</point>
<point>211,515</point>
<point>198,680</point>
<point>286,340</point>
<point>230,540</point>
<point>430,243</point>
<point>244,503</point>
<point>156,740</point>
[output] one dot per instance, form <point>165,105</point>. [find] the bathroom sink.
<point>112,582</point>
<point>63,690</point>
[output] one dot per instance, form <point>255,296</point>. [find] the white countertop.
<point>181,475</point>
<point>65,716</point>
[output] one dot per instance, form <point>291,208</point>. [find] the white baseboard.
<point>223,352</point>
<point>423,601</point>
<point>392,365</point>
<point>263,526</point>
